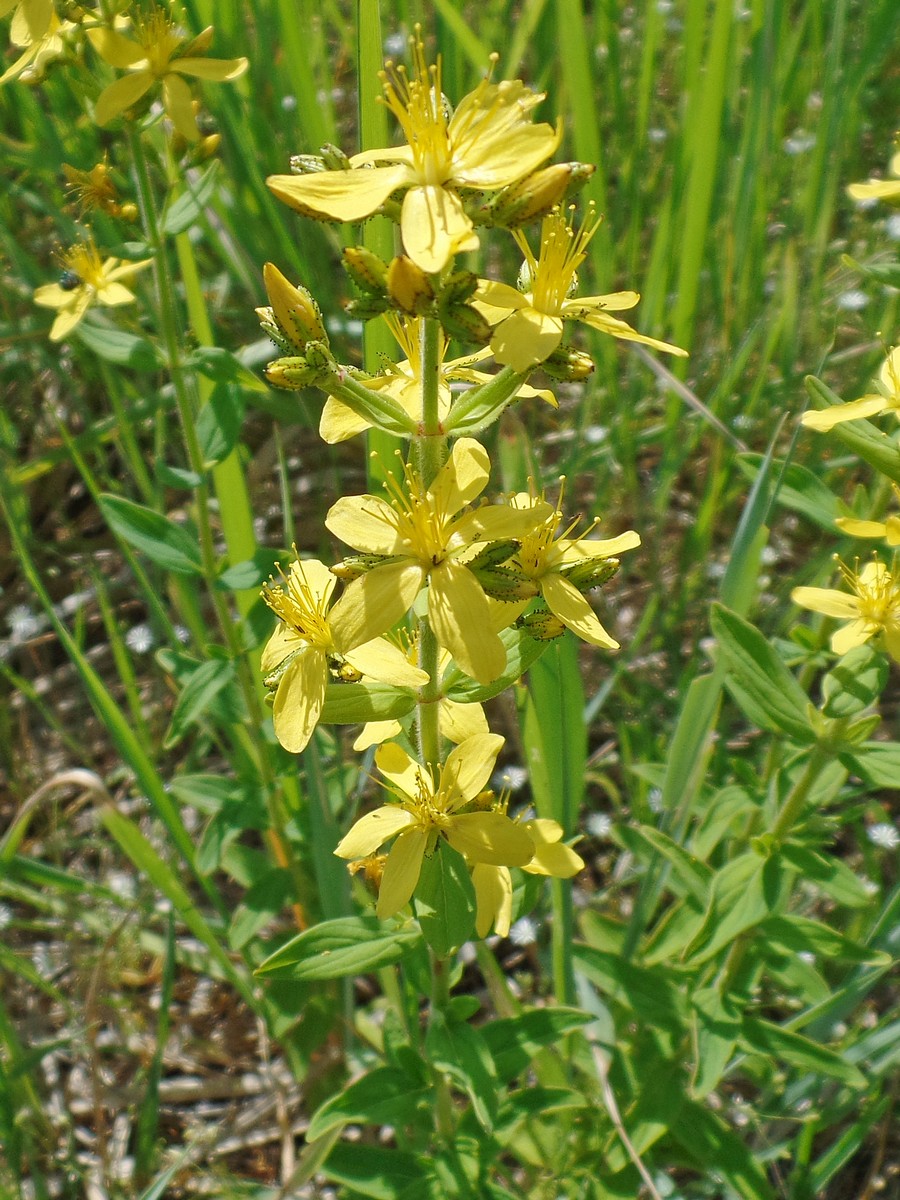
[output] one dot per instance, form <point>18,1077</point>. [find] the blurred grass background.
<point>725,135</point>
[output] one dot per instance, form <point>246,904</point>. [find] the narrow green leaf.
<point>375,1172</point>
<point>162,541</point>
<point>693,875</point>
<point>445,900</point>
<point>269,896</point>
<point>204,685</point>
<point>800,935</point>
<point>185,210</point>
<point>877,762</point>
<point>344,946</point>
<point>384,1096</point>
<point>829,873</point>
<point>117,346</point>
<point>461,1052</point>
<point>356,703</point>
<point>854,683</point>
<point>760,682</point>
<point>862,437</point>
<point>219,423</point>
<point>799,489</point>
<point>764,1037</point>
<point>716,1149</point>
<point>514,1042</point>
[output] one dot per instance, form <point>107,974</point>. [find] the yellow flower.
<point>31,20</point>
<point>530,322</point>
<point>424,537</point>
<point>95,189</point>
<point>873,608</point>
<point>430,807</point>
<point>887,400</point>
<point>38,50</point>
<point>549,561</point>
<point>298,656</point>
<point>403,382</point>
<point>456,721</point>
<point>161,54</point>
<point>487,143</point>
<point>879,189</point>
<point>493,885</point>
<point>85,280</point>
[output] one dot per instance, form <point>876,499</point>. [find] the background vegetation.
<point>137,1051</point>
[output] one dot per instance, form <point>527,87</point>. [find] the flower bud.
<point>291,373</point>
<point>538,194</point>
<point>200,44</point>
<point>505,583</point>
<point>541,624</point>
<point>269,325</point>
<point>465,322</point>
<point>295,311</point>
<point>494,553</point>
<point>458,288</point>
<point>568,364</point>
<point>354,565</point>
<point>367,270</point>
<point>367,307</point>
<point>409,287</point>
<point>591,572</point>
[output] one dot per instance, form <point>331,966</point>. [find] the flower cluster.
<point>440,583</point>
<point>870,607</point>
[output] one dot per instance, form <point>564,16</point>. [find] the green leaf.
<point>829,873</point>
<point>877,762</point>
<point>461,1052</point>
<point>717,1150</point>
<point>252,572</point>
<point>693,875</point>
<point>184,212</point>
<point>764,1037</point>
<point>862,437</point>
<point>219,423</point>
<point>800,935</point>
<point>522,652</point>
<point>221,366</point>
<point>201,690</point>
<point>376,1172</point>
<point>344,946</point>
<point>117,346</point>
<point>162,541</point>
<point>268,897</point>
<point>384,1096</point>
<point>177,477</point>
<point>761,684</point>
<point>515,1041</point>
<point>648,992</point>
<point>744,892</point>
<point>445,900</point>
<point>717,1027</point>
<point>854,683</point>
<point>799,489</point>
<point>356,703</point>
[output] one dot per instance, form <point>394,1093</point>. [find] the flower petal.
<point>526,338</point>
<point>382,660</point>
<point>434,227</point>
<point>373,830</point>
<point>460,616</point>
<point>344,195</point>
<point>118,51</point>
<point>400,768</point>
<point>179,104</point>
<point>120,95</point>
<point>827,601</point>
<point>567,603</point>
<point>374,733</point>
<point>68,318</point>
<point>51,295</point>
<point>854,410</point>
<point>469,766</point>
<point>366,523</point>
<point>580,549</point>
<point>493,898</point>
<point>852,635</point>
<point>619,329</point>
<point>338,422</point>
<point>373,603</point>
<point>215,69</point>
<point>284,641</point>
<point>460,721</point>
<point>613,302</point>
<point>112,294</point>
<point>462,477</point>
<point>299,699</point>
<point>401,873</point>
<point>490,837</point>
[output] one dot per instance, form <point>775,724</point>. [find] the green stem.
<point>799,794</point>
<point>367,403</point>
<point>440,996</point>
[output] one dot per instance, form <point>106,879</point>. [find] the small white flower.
<point>513,778</point>
<point>524,932</point>
<point>183,634</point>
<point>23,623</point>
<point>599,825</point>
<point>139,638</point>
<point>654,800</point>
<point>6,916</point>
<point>799,142</point>
<point>885,835</point>
<point>852,301</point>
<point>892,227</point>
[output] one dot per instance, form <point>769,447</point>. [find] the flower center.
<point>422,526</point>
<point>422,113</point>
<point>84,261</point>
<point>563,249</point>
<point>158,36</point>
<point>297,605</point>
<point>878,590</point>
